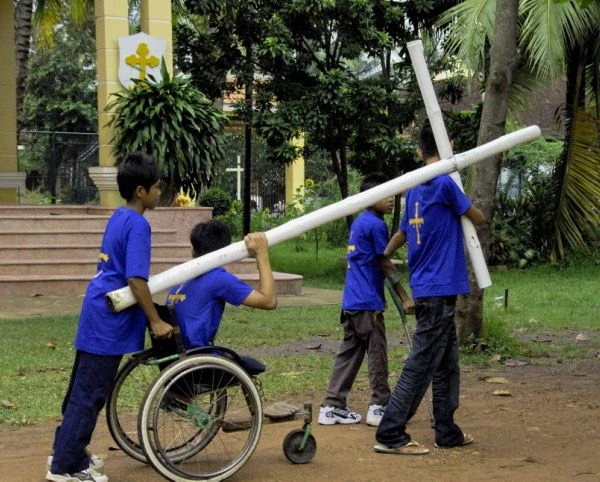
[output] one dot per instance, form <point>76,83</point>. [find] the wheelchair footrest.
<point>235,425</point>
<point>280,410</point>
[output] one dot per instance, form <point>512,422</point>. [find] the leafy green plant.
<point>521,227</point>
<point>216,198</point>
<point>174,121</point>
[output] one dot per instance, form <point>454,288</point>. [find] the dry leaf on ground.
<point>497,380</point>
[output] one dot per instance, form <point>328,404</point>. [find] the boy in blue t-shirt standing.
<point>103,336</point>
<point>200,302</point>
<point>432,229</point>
<point>363,304</point>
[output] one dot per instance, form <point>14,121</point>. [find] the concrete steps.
<point>72,236</point>
<point>77,267</point>
<point>89,251</point>
<point>53,250</point>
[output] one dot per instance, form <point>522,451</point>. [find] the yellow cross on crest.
<point>141,61</point>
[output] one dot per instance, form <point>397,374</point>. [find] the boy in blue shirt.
<point>363,304</point>
<point>200,302</point>
<point>103,336</point>
<point>432,229</point>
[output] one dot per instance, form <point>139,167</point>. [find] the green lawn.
<point>36,354</point>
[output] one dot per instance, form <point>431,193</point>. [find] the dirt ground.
<point>544,428</point>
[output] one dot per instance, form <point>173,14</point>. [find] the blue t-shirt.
<point>431,222</point>
<point>124,253</point>
<point>200,302</point>
<point>363,289</point>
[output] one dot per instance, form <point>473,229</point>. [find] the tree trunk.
<point>24,14</point>
<point>503,56</point>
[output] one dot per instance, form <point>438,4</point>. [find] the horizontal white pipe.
<point>417,56</point>
<point>122,298</point>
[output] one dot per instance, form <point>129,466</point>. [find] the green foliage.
<point>332,68</point>
<point>576,188</point>
<point>61,92</point>
<point>233,218</point>
<point>521,227</point>
<point>555,37</point>
<point>216,198</point>
<point>463,127</point>
<point>60,96</point>
<point>174,121</point>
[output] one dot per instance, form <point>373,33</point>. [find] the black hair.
<point>427,143</point>
<point>372,180</point>
<point>136,169</point>
<point>209,236</point>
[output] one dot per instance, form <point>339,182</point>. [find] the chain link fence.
<point>268,181</point>
<point>57,165</point>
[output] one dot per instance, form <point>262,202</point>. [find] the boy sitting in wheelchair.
<point>197,305</point>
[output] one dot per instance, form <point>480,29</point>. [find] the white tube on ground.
<point>417,56</point>
<point>123,298</point>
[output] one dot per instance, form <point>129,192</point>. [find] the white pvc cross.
<point>238,170</point>
<point>123,298</point>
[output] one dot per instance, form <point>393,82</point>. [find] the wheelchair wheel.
<point>124,402</point>
<point>200,420</point>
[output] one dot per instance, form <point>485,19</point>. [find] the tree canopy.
<point>336,71</point>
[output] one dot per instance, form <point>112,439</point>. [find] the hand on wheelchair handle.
<point>161,330</point>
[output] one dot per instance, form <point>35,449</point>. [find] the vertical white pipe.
<point>417,56</point>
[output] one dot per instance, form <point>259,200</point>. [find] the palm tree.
<point>553,36</point>
<point>23,16</point>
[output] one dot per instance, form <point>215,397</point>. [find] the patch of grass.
<point>499,339</point>
<point>324,270</point>
<point>245,328</point>
<point>36,355</point>
<point>547,297</point>
<point>36,359</point>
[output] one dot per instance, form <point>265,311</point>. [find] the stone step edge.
<point>78,231</point>
<point>94,217</point>
<point>85,246</point>
<point>10,262</point>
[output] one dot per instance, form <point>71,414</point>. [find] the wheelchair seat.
<point>173,345</point>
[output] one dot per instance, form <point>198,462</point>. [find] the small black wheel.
<point>291,447</point>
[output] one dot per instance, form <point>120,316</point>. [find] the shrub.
<point>175,122</point>
<point>217,199</point>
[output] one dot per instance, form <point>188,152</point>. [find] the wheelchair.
<point>197,414</point>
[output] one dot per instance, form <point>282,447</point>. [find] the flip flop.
<point>467,440</point>
<point>411,448</point>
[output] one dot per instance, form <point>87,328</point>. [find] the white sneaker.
<point>329,415</point>
<point>375,414</point>
<point>87,475</point>
<point>96,463</point>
